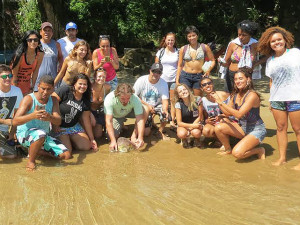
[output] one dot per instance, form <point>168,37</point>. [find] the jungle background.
<point>142,23</point>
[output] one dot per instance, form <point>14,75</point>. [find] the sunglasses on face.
<point>6,76</point>
<point>205,84</point>
<point>32,40</point>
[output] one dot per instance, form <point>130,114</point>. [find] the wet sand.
<point>165,184</point>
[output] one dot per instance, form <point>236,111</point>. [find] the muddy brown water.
<point>165,184</point>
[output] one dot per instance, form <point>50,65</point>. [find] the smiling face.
<point>100,77</point>
<point>192,38</point>
<point>81,86</point>
<point>277,43</point>
<point>32,41</point>
<point>170,41</point>
<point>207,86</point>
<point>46,34</point>
<point>81,51</point>
<point>154,76</point>
<point>241,81</point>
<point>105,45</point>
<point>5,81</point>
<point>182,92</point>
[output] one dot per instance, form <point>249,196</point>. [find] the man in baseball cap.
<point>67,43</point>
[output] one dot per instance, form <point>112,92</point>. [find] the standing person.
<point>10,98</point>
<point>37,110</point>
<point>53,56</point>
<point>99,90</point>
<point>118,105</point>
<point>26,62</point>
<point>154,95</point>
<point>189,118</point>
<point>77,62</point>
<point>107,58</point>
<point>283,68</point>
<point>191,61</point>
<point>168,57</point>
<point>74,106</point>
<point>248,126</point>
<point>241,52</point>
<point>68,42</point>
<point>211,110</point>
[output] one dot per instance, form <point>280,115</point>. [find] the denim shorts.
<point>257,130</point>
<point>192,80</point>
<point>289,106</point>
<point>113,83</point>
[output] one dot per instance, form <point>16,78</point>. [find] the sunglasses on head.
<point>32,40</point>
<point>6,76</point>
<point>205,84</point>
<point>102,37</point>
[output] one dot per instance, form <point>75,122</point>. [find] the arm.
<point>140,129</point>
<point>165,106</point>
<point>89,65</point>
<point>227,57</point>
<point>88,128</point>
<point>95,60</point>
<point>110,131</point>
<point>15,71</point>
<point>180,65</point>
<point>21,117</point>
<point>156,60</point>
<point>36,71</point>
<point>211,58</point>
<point>55,118</point>
<point>60,57</point>
<point>115,60</point>
<point>62,72</point>
<point>188,126</point>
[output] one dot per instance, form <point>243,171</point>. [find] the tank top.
<point>110,70</point>
<point>49,63</point>
<point>252,117</point>
<point>24,74</point>
<point>39,124</point>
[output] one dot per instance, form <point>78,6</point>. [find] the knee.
<point>206,131</point>
<point>196,133</point>
<point>282,127</point>
<point>218,128</point>
<point>181,133</point>
<point>296,129</point>
<point>237,153</point>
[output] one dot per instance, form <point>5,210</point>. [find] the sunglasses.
<point>205,84</point>
<point>32,40</point>
<point>6,76</point>
<point>106,37</point>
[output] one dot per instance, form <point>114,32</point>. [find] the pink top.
<point>110,70</point>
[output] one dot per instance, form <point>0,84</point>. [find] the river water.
<point>165,184</point>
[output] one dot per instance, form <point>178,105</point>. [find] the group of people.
<point>72,96</point>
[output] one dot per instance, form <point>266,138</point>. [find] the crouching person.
<point>37,110</point>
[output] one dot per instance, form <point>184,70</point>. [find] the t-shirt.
<point>186,115</point>
<point>70,108</point>
<point>113,106</point>
<point>169,60</point>
<point>153,94</point>
<point>285,74</point>
<point>66,45</point>
<point>8,102</point>
<point>212,108</point>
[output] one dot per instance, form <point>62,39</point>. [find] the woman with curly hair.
<point>77,62</point>
<point>188,114</point>
<point>26,61</point>
<point>241,52</point>
<point>246,123</point>
<point>283,68</point>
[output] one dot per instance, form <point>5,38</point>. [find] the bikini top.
<point>200,53</point>
<point>235,58</point>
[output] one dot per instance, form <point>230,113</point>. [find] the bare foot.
<point>226,152</point>
<point>262,153</point>
<point>30,166</point>
<point>279,162</point>
<point>296,167</point>
<point>162,136</point>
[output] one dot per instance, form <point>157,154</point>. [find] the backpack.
<point>162,52</point>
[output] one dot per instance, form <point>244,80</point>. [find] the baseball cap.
<point>71,25</point>
<point>46,24</point>
<point>157,66</point>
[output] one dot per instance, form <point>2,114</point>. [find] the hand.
<point>206,74</point>
<point>45,116</point>
<point>139,143</point>
<point>94,145</point>
<point>113,147</point>
<point>151,109</point>
<point>38,113</point>
<point>89,63</point>
<point>216,97</point>
<point>166,113</point>
<point>197,126</point>
<point>211,120</point>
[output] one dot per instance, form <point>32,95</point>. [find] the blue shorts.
<point>113,83</point>
<point>77,128</point>
<point>51,145</point>
<point>289,106</point>
<point>192,80</point>
<point>257,130</point>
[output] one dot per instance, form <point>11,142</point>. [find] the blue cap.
<point>71,25</point>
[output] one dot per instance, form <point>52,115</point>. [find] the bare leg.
<point>173,113</point>
<point>65,139</point>
<point>281,119</point>
<point>295,122</point>
<point>33,151</point>
<point>97,131</point>
<point>161,129</point>
<point>81,141</point>
<point>246,148</point>
<point>198,92</point>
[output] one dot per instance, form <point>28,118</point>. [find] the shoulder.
<point>15,90</point>
<point>27,100</point>
<point>223,94</point>
<point>252,95</point>
<point>113,50</point>
<point>177,105</point>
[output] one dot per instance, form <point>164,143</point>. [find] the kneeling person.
<point>37,110</point>
<point>118,105</point>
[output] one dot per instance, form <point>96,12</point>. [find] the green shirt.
<point>113,106</point>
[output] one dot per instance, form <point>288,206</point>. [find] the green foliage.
<point>28,15</point>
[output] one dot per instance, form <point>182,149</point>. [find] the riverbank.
<point>165,184</point>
